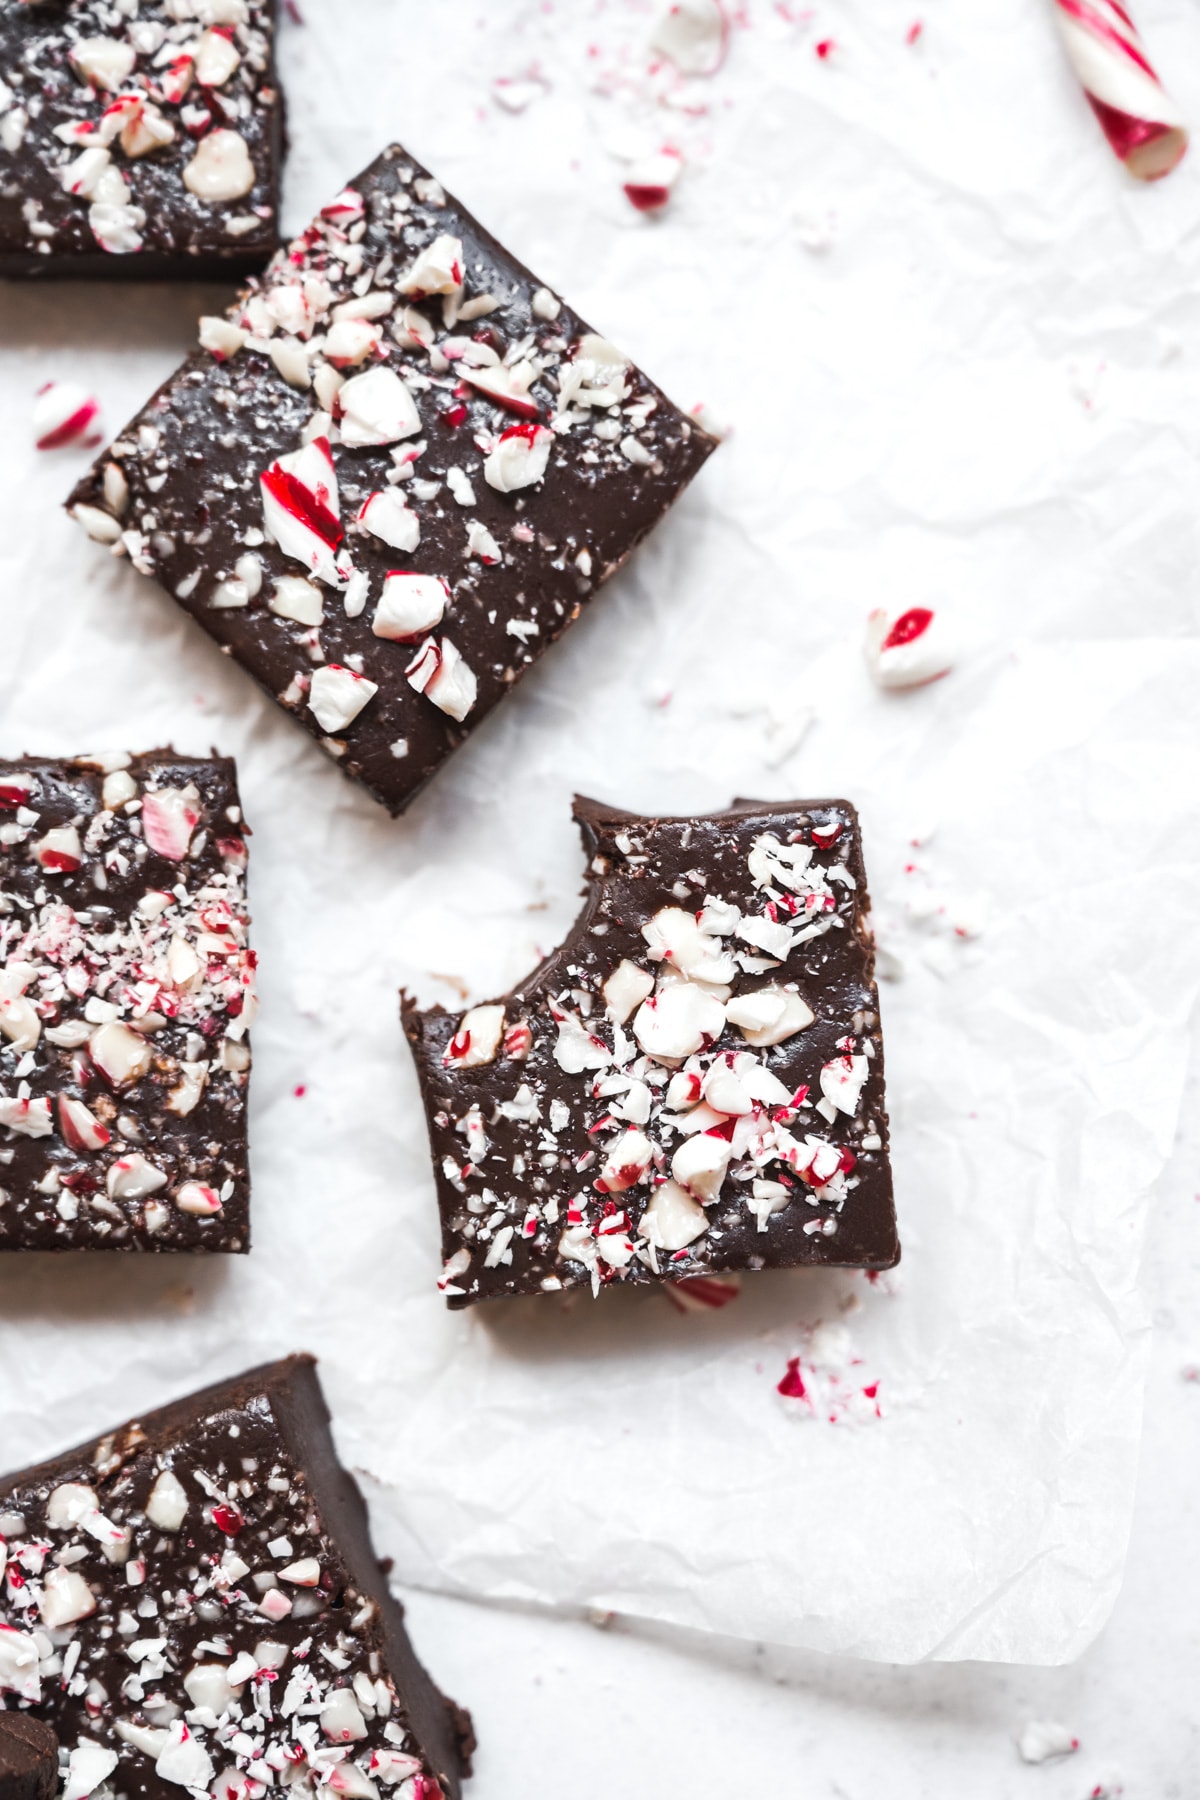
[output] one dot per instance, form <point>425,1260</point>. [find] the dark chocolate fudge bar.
<point>126,993</point>
<point>193,1602</point>
<point>28,1758</point>
<point>139,139</point>
<point>691,1083</point>
<point>397,471</point>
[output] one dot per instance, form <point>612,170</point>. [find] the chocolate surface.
<point>693,1082</point>
<point>126,993</point>
<point>28,1758</point>
<point>138,142</point>
<point>193,1601</point>
<point>468,428</point>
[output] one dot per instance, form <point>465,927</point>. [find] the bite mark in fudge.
<point>126,996</point>
<point>394,473</point>
<point>141,141</point>
<point>28,1758</point>
<point>692,1083</point>
<point>193,1602</point>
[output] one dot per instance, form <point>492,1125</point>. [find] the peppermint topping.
<point>907,649</point>
<point>126,991</point>
<point>409,606</point>
<point>689,1079</point>
<point>182,1603</point>
<point>337,696</point>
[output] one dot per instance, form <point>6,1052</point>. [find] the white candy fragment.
<point>907,649</point>
<point>409,606</point>
<point>221,337</point>
<point>216,58</point>
<point>305,1573</point>
<point>69,1503</point>
<point>341,1718</point>
<point>842,1082</point>
<point>28,1118</point>
<point>293,597</point>
<point>168,1502</point>
<point>80,1128</point>
<point>147,130</point>
<point>348,1782</point>
<point>221,169</point>
<point>700,1165</point>
<point>132,1178</point>
<point>19,1023</point>
<point>768,1015</point>
<point>337,696</point>
<point>672,1220</point>
<point>649,182</point>
<point>88,1765</point>
<point>437,270</point>
<point>439,672</point>
<point>59,852</point>
<point>626,1162</point>
<point>302,510</point>
<point>692,34</point>
<point>388,517</point>
<point>121,1055</point>
<point>66,1597</point>
<point>477,1039</point>
<point>625,990</point>
<point>117,228</point>
<point>677,1022</point>
<point>185,1097</point>
<point>577,1049</point>
<point>183,1758</point>
<point>676,937</point>
<point>65,415</point>
<point>169,817</point>
<point>519,458</point>
<point>208,1685</point>
<point>377,408</point>
<point>118,790</point>
<point>99,525</point>
<point>19,1665</point>
<point>103,62</point>
<point>1042,1739</point>
<point>349,342</point>
<point>200,1201</point>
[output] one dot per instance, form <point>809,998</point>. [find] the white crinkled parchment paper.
<point>960,377</point>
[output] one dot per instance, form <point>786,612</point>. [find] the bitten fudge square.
<point>192,1601</point>
<point>126,996</point>
<point>138,140</point>
<point>692,1083</point>
<point>392,475</point>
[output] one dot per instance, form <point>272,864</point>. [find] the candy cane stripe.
<point>1141,123</point>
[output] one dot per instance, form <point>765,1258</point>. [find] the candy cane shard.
<point>1143,125</point>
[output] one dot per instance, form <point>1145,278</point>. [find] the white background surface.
<point>983,388</point>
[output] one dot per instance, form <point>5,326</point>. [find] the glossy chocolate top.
<point>692,1082</point>
<point>141,141</point>
<point>193,1602</point>
<point>468,428</point>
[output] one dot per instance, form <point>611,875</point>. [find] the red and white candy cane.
<point>1141,123</point>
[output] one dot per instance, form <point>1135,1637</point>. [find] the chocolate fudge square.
<point>126,996</point>
<point>28,1758</point>
<point>138,139</point>
<point>193,1603</point>
<point>691,1084</point>
<point>392,476</point>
